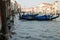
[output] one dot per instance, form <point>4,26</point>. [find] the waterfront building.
<point>47,8</point>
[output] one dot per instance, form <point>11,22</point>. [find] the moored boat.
<point>39,17</point>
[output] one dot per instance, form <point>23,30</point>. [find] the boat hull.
<point>36,17</point>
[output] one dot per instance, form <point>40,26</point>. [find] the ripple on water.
<point>46,36</point>
<point>29,38</point>
<point>37,30</point>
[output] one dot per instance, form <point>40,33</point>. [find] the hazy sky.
<point>32,3</point>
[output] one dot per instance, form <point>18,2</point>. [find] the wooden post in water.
<point>5,30</point>
<point>19,12</point>
<point>12,16</point>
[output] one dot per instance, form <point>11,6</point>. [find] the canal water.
<point>36,30</point>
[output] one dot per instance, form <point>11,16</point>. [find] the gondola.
<point>39,17</point>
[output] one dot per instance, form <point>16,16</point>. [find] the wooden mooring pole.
<point>5,30</point>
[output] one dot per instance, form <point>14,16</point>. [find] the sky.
<point>32,3</point>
